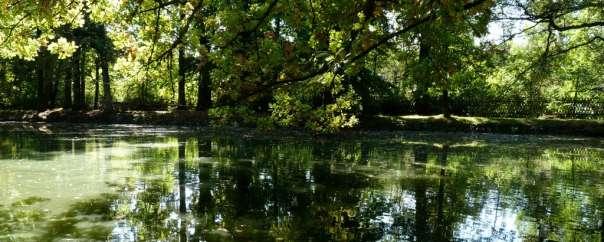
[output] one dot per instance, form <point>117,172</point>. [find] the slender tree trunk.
<point>182,103</point>
<point>3,71</point>
<point>575,101</point>
<point>83,79</point>
<point>42,74</point>
<point>55,74</point>
<point>3,79</point>
<point>55,90</point>
<point>40,77</point>
<point>142,101</point>
<point>77,76</point>
<point>96,84</point>
<point>445,103</point>
<point>170,68</point>
<point>67,85</point>
<point>107,98</point>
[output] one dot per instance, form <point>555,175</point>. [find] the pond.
<point>141,183</point>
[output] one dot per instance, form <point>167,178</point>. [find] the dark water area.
<point>137,183</point>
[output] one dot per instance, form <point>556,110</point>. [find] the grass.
<point>583,127</point>
<point>487,125</point>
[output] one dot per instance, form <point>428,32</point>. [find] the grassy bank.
<point>486,125</point>
<point>380,123</point>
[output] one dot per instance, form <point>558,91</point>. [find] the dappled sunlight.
<point>472,120</point>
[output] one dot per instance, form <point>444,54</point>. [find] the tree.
<point>314,64</point>
<point>204,87</point>
<point>106,54</point>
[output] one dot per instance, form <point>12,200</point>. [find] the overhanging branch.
<point>344,63</point>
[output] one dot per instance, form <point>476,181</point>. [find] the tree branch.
<point>181,34</point>
<point>344,63</point>
<point>252,30</point>
<point>160,6</point>
<point>577,26</point>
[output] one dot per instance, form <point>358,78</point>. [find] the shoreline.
<point>530,126</point>
<point>437,123</point>
<point>176,117</point>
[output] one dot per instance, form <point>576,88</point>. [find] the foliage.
<point>313,64</point>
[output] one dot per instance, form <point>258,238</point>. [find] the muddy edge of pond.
<point>593,128</point>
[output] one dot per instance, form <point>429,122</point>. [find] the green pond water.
<point>144,183</point>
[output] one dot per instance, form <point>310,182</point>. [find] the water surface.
<point>137,183</point>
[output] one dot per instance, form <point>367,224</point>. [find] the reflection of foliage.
<point>99,206</point>
<point>29,201</point>
<point>406,187</point>
<point>20,216</point>
<point>84,220</point>
<point>150,212</point>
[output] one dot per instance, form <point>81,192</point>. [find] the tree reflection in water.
<point>192,187</point>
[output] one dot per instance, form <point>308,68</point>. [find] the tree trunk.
<point>107,98</point>
<point>40,77</point>
<point>54,81</point>
<point>182,103</point>
<point>83,79</point>
<point>96,84</point>
<point>77,77</point>
<point>170,68</point>
<point>574,115</point>
<point>204,94</point>
<point>445,103</point>
<point>3,71</point>
<point>42,74</point>
<point>67,85</point>
<point>142,100</point>
<point>420,94</point>
<point>204,90</point>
